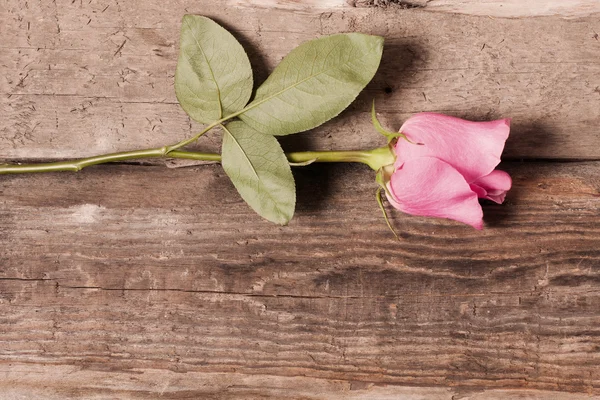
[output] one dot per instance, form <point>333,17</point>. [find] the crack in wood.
<point>404,4</point>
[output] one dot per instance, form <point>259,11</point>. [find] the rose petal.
<point>473,148</point>
<point>430,187</point>
<point>493,186</point>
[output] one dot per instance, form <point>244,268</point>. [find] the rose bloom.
<point>450,164</point>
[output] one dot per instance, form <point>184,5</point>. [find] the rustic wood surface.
<point>140,281</point>
<point>105,75</point>
<point>496,8</point>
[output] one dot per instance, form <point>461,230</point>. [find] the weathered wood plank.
<point>85,77</point>
<point>516,8</point>
<point>68,382</point>
<point>121,272</point>
<point>495,8</point>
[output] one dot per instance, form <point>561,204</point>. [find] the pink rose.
<point>454,166</point>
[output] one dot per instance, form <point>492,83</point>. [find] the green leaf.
<point>213,78</point>
<point>314,83</point>
<point>259,171</point>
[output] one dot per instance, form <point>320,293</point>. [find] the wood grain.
<point>492,8</point>
<point>120,272</point>
<point>515,8</point>
<point>67,382</point>
<point>87,77</point>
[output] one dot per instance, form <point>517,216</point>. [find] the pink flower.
<point>453,167</point>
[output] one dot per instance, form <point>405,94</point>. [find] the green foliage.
<point>260,172</point>
<point>311,85</point>
<point>314,83</point>
<point>213,77</point>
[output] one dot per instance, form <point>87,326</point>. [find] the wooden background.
<point>137,281</point>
